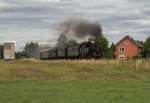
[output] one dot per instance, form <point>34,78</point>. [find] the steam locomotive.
<point>88,49</point>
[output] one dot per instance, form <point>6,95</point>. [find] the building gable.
<point>130,39</point>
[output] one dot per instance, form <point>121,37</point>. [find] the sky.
<point>37,20</point>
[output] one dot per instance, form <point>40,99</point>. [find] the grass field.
<point>74,91</point>
<point>84,81</point>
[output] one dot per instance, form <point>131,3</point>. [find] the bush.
<point>146,49</point>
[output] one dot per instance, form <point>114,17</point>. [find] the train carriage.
<point>73,52</point>
<point>61,52</point>
<point>44,54</point>
<point>53,54</point>
<point>88,49</point>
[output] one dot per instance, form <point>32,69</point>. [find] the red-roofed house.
<point>127,48</point>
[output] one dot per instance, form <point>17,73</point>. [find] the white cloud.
<point>47,0</point>
<point>41,1</point>
<point>6,5</point>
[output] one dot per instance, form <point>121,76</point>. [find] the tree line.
<point>31,50</point>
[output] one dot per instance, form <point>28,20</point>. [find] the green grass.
<point>84,81</point>
<point>74,91</point>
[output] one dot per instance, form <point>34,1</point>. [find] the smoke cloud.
<point>78,29</point>
<point>85,29</point>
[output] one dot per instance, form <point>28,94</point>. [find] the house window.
<point>122,49</point>
<point>122,57</point>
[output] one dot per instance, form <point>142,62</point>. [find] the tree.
<point>1,51</point>
<point>111,51</point>
<point>32,50</point>
<point>20,54</point>
<point>146,49</point>
<point>102,46</point>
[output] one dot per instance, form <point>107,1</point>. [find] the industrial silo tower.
<point>9,50</point>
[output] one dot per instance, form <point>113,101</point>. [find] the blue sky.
<point>38,20</point>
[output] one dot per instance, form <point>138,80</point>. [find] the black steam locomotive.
<point>88,49</point>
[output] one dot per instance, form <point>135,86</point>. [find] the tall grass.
<point>75,69</point>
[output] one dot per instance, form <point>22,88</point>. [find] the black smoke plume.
<point>78,29</point>
<point>87,29</point>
